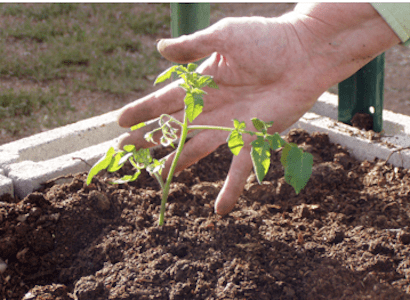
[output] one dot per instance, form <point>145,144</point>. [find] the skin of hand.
<point>270,68</point>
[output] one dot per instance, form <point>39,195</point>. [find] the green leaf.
<point>268,124</point>
<point>275,141</point>
<point>298,166</point>
<point>193,78</point>
<point>235,142</point>
<point>285,152</point>
<point>156,167</point>
<point>149,137</point>
<point>101,164</point>
<point>138,126</point>
<point>125,158</point>
<point>204,81</point>
<point>129,148</point>
<point>166,74</point>
<point>185,86</point>
<point>180,69</point>
<point>260,155</point>
<point>213,85</point>
<point>192,67</point>
<point>185,77</point>
<point>261,125</point>
<point>258,124</point>
<point>116,163</point>
<point>197,91</point>
<point>127,178</point>
<point>193,105</point>
<point>239,125</point>
<point>143,157</point>
<point>133,163</point>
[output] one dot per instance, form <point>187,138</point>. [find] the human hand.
<point>269,68</point>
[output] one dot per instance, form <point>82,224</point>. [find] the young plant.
<point>297,164</point>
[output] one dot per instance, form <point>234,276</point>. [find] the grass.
<point>52,53</point>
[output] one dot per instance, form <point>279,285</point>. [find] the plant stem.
<point>204,127</point>
<point>171,119</point>
<point>165,190</point>
<point>159,178</point>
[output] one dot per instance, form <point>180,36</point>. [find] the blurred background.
<point>60,63</point>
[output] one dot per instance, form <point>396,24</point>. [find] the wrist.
<point>340,38</point>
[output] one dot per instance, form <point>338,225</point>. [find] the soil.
<point>345,236</point>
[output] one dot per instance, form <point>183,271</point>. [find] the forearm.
<point>340,38</point>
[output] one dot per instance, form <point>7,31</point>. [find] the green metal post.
<point>187,18</point>
<point>363,93</point>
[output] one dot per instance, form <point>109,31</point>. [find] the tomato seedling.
<point>297,164</point>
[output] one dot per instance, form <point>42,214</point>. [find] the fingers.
<point>183,49</point>
<point>197,148</point>
<point>167,100</point>
<point>200,146</point>
<point>137,137</point>
<point>234,183</point>
<point>193,47</point>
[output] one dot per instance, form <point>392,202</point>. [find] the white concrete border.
<point>28,162</point>
<point>62,140</point>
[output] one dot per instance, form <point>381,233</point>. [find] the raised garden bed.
<point>345,236</point>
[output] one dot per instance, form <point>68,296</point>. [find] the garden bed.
<point>345,236</point>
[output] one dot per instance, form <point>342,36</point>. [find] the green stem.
<point>171,119</point>
<point>159,178</point>
<point>205,127</point>
<point>165,190</point>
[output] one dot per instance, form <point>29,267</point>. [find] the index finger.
<point>166,100</point>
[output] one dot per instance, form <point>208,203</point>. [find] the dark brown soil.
<point>345,236</point>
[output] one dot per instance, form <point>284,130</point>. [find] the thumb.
<point>190,48</point>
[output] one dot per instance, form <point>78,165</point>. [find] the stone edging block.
<point>29,162</point>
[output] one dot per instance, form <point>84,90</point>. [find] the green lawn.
<point>53,54</point>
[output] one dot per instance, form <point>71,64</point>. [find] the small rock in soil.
<point>99,200</point>
<point>404,237</point>
<point>336,236</point>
